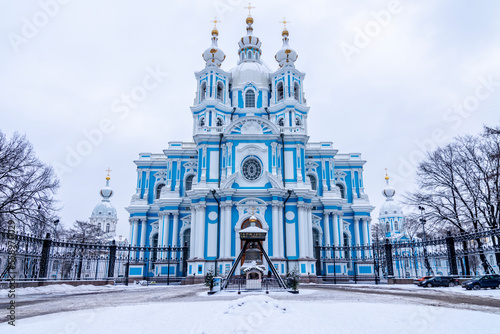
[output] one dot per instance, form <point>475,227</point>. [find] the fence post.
<point>185,250</point>
<point>388,258</point>
<point>452,255</point>
<point>44,258</point>
<point>111,260</point>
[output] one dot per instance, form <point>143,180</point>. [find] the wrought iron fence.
<point>465,255</point>
<point>28,258</point>
<point>31,258</point>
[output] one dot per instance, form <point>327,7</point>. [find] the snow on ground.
<point>491,293</point>
<point>56,289</point>
<point>261,314</point>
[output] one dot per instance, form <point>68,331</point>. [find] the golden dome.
<point>215,32</point>
<point>284,33</point>
<point>253,219</point>
<point>249,20</point>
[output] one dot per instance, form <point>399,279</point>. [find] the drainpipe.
<point>284,230</point>
<point>218,230</point>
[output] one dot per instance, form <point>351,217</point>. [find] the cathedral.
<point>250,157</point>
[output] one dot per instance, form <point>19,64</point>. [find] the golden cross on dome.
<point>386,175</point>
<point>249,8</point>
<point>215,21</point>
<point>108,170</point>
<point>285,22</point>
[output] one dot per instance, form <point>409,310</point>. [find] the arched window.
<point>316,241</point>
<point>346,244</point>
<point>189,183</point>
<point>55,265</point>
<point>298,121</point>
<point>202,122</point>
<point>187,240</point>
<point>342,190</point>
<point>279,88</point>
<point>250,54</point>
<point>296,91</point>
<point>396,225</point>
<point>314,184</point>
<point>250,99</point>
<point>220,91</point>
<point>203,91</point>
<point>158,190</point>
<point>154,255</point>
<point>219,121</point>
<point>99,226</point>
<point>387,227</point>
<point>281,121</point>
<point>107,228</point>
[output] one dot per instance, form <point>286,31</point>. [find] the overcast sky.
<point>388,80</point>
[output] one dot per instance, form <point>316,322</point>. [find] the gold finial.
<point>214,30</point>
<point>249,8</point>
<point>108,170</point>
<point>386,175</point>
<point>285,30</point>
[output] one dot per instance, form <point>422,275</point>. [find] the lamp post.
<point>218,230</point>
<point>56,223</point>
<point>423,221</point>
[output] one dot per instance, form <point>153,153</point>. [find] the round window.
<point>251,169</point>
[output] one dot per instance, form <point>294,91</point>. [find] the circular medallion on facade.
<point>251,169</point>
<point>212,215</point>
<point>290,215</point>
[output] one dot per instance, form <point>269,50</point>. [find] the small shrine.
<point>253,266</point>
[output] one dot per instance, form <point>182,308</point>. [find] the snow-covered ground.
<point>491,293</point>
<point>261,314</point>
<point>69,289</point>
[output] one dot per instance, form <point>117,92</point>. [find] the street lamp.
<point>56,223</point>
<point>423,221</point>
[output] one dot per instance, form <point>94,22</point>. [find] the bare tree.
<point>458,184</point>
<point>27,186</point>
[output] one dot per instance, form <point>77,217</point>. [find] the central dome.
<point>253,72</point>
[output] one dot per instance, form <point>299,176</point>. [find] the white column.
<point>143,235</point>
<point>357,242</point>
<point>310,246</point>
<point>281,234</point>
<point>302,231</point>
<point>192,241</point>
<point>131,233</point>
<point>366,231</point>
<point>326,223</point>
<point>161,223</point>
<point>200,222</point>
<point>335,232</point>
<point>275,227</point>
<point>229,229</point>
<point>222,230</point>
<point>175,229</point>
<point>340,226</point>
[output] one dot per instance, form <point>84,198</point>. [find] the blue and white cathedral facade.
<point>250,154</point>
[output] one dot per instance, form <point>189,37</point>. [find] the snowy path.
<point>317,309</point>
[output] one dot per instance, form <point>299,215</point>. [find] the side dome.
<point>286,56</point>
<point>213,55</point>
<point>104,210</point>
